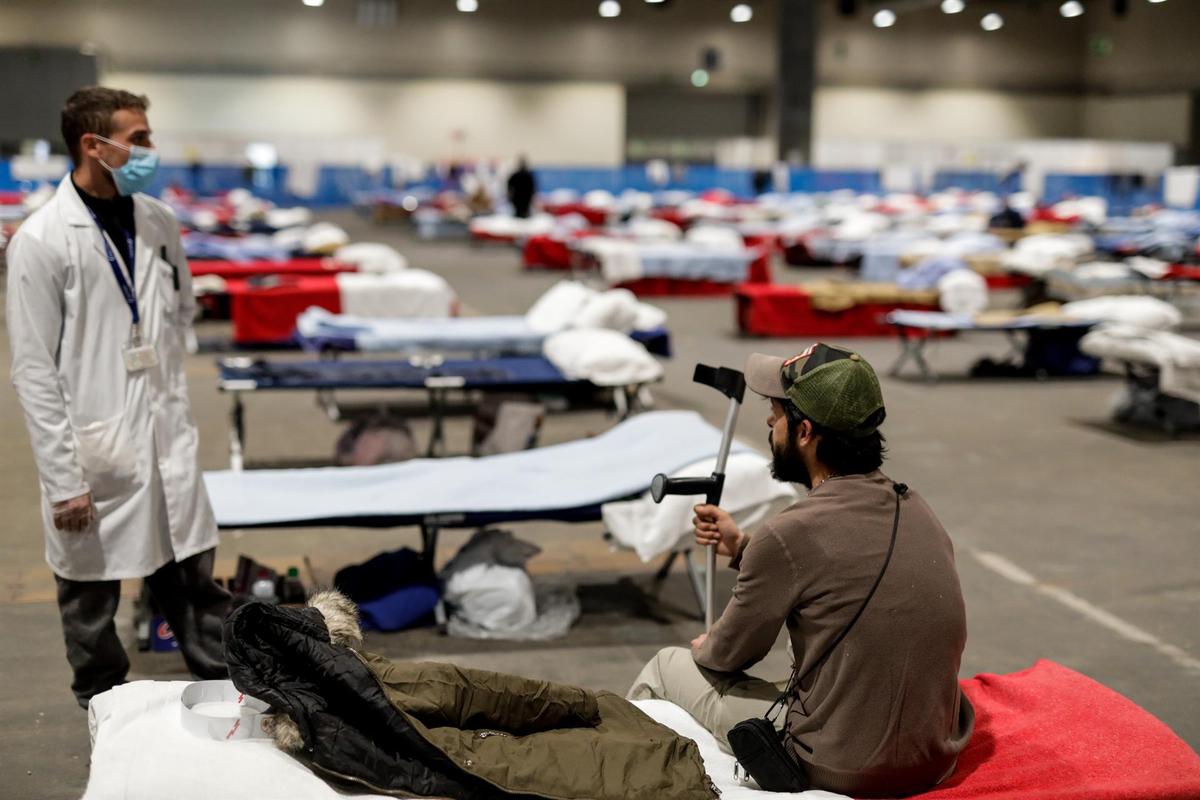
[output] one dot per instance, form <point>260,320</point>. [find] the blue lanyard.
<point>127,289</point>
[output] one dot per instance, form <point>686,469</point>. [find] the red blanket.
<point>1050,733</point>
<point>594,216</point>
<point>268,315</point>
<point>249,269</point>
<point>787,310</point>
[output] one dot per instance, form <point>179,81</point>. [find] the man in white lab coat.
<point>99,303</point>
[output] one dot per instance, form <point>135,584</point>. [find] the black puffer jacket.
<point>411,728</point>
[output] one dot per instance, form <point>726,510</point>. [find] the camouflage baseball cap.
<point>830,385</point>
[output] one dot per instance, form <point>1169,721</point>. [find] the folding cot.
<point>566,482</point>
<point>265,310</point>
<point>673,268</point>
<point>1162,375</point>
<point>915,328</point>
<point>320,331</point>
<point>435,376</point>
<point>791,310</point>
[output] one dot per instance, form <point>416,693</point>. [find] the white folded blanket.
<point>652,529</point>
<point>372,257</point>
<point>407,294</point>
<point>619,259</point>
<point>1139,311</point>
<point>1177,357</point>
<point>141,751</point>
<point>604,357</point>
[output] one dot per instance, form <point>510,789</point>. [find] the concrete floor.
<point>1076,542</point>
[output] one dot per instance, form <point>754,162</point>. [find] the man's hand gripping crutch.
<point>732,384</point>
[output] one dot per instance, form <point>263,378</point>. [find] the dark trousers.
<point>193,604</point>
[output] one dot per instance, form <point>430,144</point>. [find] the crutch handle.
<point>710,487</point>
<point>728,382</point>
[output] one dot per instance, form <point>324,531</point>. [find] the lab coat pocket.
<point>167,279</point>
<point>107,457</point>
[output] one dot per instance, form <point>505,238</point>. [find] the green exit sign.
<point>1100,45</point>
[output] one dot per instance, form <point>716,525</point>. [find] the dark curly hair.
<point>844,455</point>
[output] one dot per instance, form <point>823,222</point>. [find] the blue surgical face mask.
<point>136,173</point>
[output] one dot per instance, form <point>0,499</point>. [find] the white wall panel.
<point>553,123</point>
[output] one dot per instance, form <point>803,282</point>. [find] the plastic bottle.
<point>263,588</point>
<point>290,589</point>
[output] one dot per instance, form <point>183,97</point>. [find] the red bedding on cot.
<point>1050,732</point>
<point>232,270</point>
<point>594,216</point>
<point>498,238</point>
<point>546,252</point>
<point>759,275</point>
<point>1183,272</point>
<point>785,310</point>
<point>1013,280</point>
<point>268,314</point>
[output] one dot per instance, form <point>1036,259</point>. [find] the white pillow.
<point>1143,312</point>
<point>325,238</point>
<point>714,236</point>
<point>649,317</point>
<point>372,257</point>
<point>616,309</point>
<point>962,292</point>
<point>557,308</point>
<point>280,218</point>
<point>606,358</point>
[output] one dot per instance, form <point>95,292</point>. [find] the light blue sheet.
<point>683,260</point>
<point>511,335</point>
<point>616,464</point>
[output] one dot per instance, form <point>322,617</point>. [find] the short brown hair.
<point>90,110</point>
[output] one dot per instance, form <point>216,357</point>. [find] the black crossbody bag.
<point>756,744</point>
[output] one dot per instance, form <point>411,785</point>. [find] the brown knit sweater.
<point>884,714</point>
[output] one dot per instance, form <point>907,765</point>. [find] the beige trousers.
<point>717,700</point>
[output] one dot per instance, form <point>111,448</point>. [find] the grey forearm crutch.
<point>732,384</point>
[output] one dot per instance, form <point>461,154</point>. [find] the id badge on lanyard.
<point>138,354</point>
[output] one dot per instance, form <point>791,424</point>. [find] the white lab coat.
<point>129,438</point>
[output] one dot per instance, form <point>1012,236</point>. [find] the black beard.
<point>787,465</point>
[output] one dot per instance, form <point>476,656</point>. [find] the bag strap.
<point>796,679</point>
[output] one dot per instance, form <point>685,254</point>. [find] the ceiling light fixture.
<point>742,12</point>
<point>700,78</point>
<point>952,6</point>
<point>884,18</point>
<point>1071,8</point>
<point>467,6</point>
<point>992,22</point>
<point>610,8</point>
<point>314,3</point>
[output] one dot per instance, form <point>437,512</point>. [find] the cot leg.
<point>697,582</point>
<point>437,435</point>
<point>645,398</point>
<point>665,569</point>
<point>328,403</point>
<point>237,433</point>
<point>911,348</point>
<point>429,537</point>
<point>905,351</point>
<point>919,357</point>
<point>1014,343</point>
<point>621,401</point>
